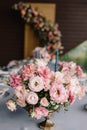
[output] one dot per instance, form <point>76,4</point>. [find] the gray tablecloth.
<point>74,119</point>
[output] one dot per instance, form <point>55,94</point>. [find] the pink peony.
<point>36,84</point>
<point>32,98</point>
<point>28,71</point>
<point>44,102</point>
<point>15,81</point>
<point>40,112</point>
<point>58,93</point>
<point>11,105</point>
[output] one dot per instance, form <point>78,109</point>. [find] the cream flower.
<point>32,98</point>
<point>36,84</point>
<point>44,102</point>
<point>11,105</point>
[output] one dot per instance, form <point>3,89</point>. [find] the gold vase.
<point>47,124</point>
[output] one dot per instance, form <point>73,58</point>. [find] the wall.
<point>71,16</point>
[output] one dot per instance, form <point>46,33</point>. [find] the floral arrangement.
<point>39,90</point>
<point>49,34</point>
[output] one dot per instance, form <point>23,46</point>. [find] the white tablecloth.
<point>74,119</point>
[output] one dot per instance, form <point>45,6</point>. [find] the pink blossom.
<point>20,92</point>
<point>40,112</point>
<point>59,77</point>
<point>79,71</point>
<point>15,81</point>
<point>32,98</point>
<point>72,97</point>
<point>47,84</point>
<point>44,72</point>
<point>68,68</point>
<point>21,102</point>
<point>44,102</point>
<point>11,105</point>
<point>58,93</point>
<point>36,84</point>
<point>73,85</point>
<point>81,92</point>
<point>28,71</point>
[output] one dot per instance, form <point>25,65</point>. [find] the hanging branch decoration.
<point>49,34</point>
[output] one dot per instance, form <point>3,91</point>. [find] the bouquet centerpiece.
<point>41,91</point>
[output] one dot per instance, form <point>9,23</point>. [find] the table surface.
<point>74,119</point>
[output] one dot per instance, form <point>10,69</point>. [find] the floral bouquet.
<point>40,91</point>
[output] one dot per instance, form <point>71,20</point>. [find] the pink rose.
<point>28,71</point>
<point>58,93</point>
<point>36,84</point>
<point>11,105</point>
<point>44,102</point>
<point>40,112</point>
<point>15,81</point>
<point>32,98</point>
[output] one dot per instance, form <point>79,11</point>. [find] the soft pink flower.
<point>32,98</point>
<point>59,77</point>
<point>15,81</point>
<point>68,68</point>
<point>81,92</point>
<point>44,102</point>
<point>40,112</point>
<point>58,93</point>
<point>20,92</point>
<point>36,84</point>
<point>44,72</point>
<point>72,97</point>
<point>73,85</point>
<point>79,71</point>
<point>21,102</point>
<point>28,71</point>
<point>47,84</point>
<point>11,105</point>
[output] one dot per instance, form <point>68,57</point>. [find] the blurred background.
<point>70,15</point>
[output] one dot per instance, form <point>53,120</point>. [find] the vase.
<point>47,124</point>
